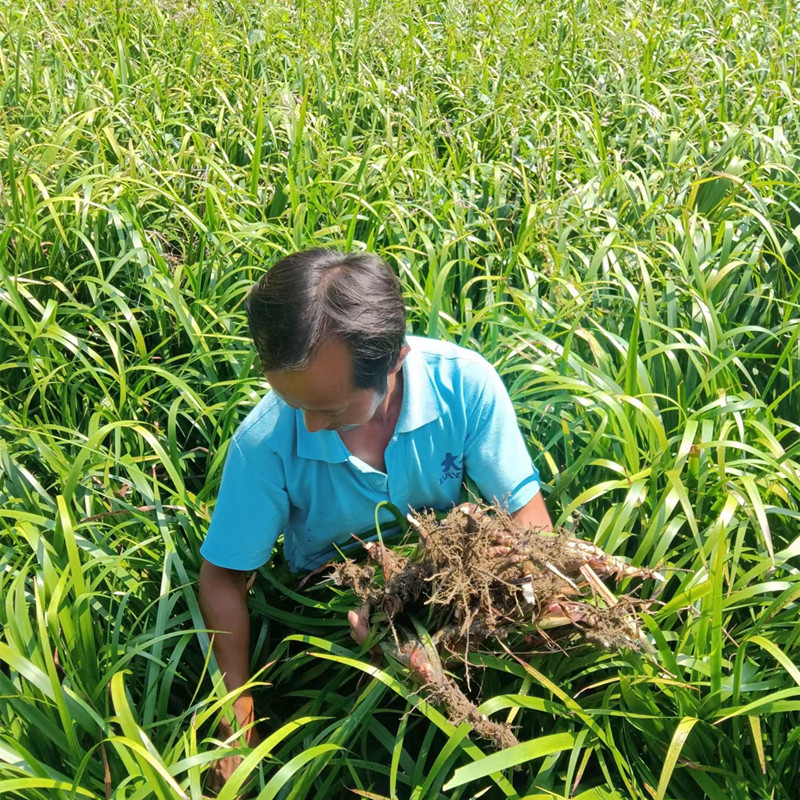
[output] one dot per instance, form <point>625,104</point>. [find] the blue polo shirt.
<point>456,419</point>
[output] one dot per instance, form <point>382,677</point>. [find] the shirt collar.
<point>420,406</point>
<point>321,446</point>
<point>420,401</point>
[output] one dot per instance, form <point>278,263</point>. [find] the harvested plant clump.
<point>477,575</point>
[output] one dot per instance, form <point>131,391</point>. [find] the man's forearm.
<point>223,603</point>
<point>534,514</point>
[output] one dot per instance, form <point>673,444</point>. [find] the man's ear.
<point>404,351</point>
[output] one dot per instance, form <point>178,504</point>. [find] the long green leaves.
<point>601,198</point>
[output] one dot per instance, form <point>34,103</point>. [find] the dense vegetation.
<point>602,197</point>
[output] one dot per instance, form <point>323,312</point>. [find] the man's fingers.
<point>359,624</point>
<point>220,771</point>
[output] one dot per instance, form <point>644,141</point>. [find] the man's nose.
<point>314,422</point>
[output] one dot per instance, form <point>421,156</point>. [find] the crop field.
<point>601,197</point>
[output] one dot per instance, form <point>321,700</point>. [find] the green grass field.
<point>602,197</point>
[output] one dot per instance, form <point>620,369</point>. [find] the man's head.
<point>349,305</point>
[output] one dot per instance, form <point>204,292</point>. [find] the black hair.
<point>317,294</point>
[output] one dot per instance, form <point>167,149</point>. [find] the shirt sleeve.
<point>495,456</point>
<point>252,509</point>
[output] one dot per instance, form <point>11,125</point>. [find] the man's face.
<point>324,391</point>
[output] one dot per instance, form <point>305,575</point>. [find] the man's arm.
<point>223,602</point>
<point>495,454</point>
<point>534,514</point>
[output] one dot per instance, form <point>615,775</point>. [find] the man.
<point>357,414</point>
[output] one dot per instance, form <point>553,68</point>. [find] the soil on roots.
<point>478,574</point>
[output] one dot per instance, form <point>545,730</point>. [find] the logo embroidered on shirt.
<point>451,467</point>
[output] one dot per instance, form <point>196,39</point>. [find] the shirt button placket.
<point>393,476</point>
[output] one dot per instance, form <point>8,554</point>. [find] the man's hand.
<point>223,768</point>
<point>359,624</point>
